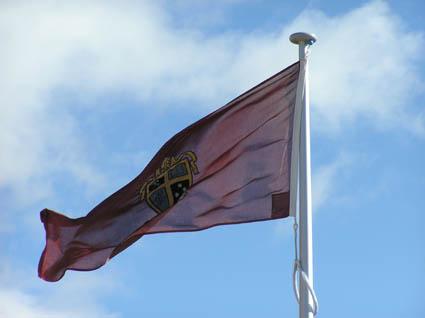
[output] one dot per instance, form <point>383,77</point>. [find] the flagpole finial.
<point>303,38</point>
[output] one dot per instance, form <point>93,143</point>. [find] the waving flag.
<point>232,166</point>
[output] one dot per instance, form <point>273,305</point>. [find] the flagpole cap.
<point>303,38</point>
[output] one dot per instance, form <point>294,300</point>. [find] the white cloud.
<point>359,70</point>
<point>76,299</point>
<point>324,180</point>
<point>17,304</point>
<point>324,187</point>
<point>364,66</point>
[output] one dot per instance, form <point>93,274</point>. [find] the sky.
<point>90,90</point>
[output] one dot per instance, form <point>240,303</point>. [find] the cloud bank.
<point>90,50</point>
<point>359,70</point>
<point>77,299</point>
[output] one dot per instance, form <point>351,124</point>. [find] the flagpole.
<point>304,40</point>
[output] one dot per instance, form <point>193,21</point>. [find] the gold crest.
<point>170,182</point>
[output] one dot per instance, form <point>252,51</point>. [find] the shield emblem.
<point>167,188</point>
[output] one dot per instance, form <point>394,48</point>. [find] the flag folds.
<point>232,166</point>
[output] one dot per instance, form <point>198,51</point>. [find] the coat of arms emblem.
<point>170,182</point>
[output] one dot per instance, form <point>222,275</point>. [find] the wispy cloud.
<point>324,187</point>
<point>324,179</point>
<point>77,299</point>
<point>18,304</point>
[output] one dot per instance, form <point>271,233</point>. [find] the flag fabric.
<point>232,166</point>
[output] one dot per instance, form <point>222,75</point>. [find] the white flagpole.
<point>306,305</point>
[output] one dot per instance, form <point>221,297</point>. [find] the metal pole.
<point>304,40</point>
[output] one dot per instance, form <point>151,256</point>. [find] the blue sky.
<point>89,91</point>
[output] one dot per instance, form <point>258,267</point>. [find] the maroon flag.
<point>232,166</point>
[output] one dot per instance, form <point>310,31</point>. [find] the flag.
<point>232,166</point>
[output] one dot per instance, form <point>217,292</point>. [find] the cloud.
<point>324,180</point>
<point>18,304</point>
<point>359,70</point>
<point>364,66</point>
<point>76,299</point>
<point>94,50</point>
<point>324,187</point>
